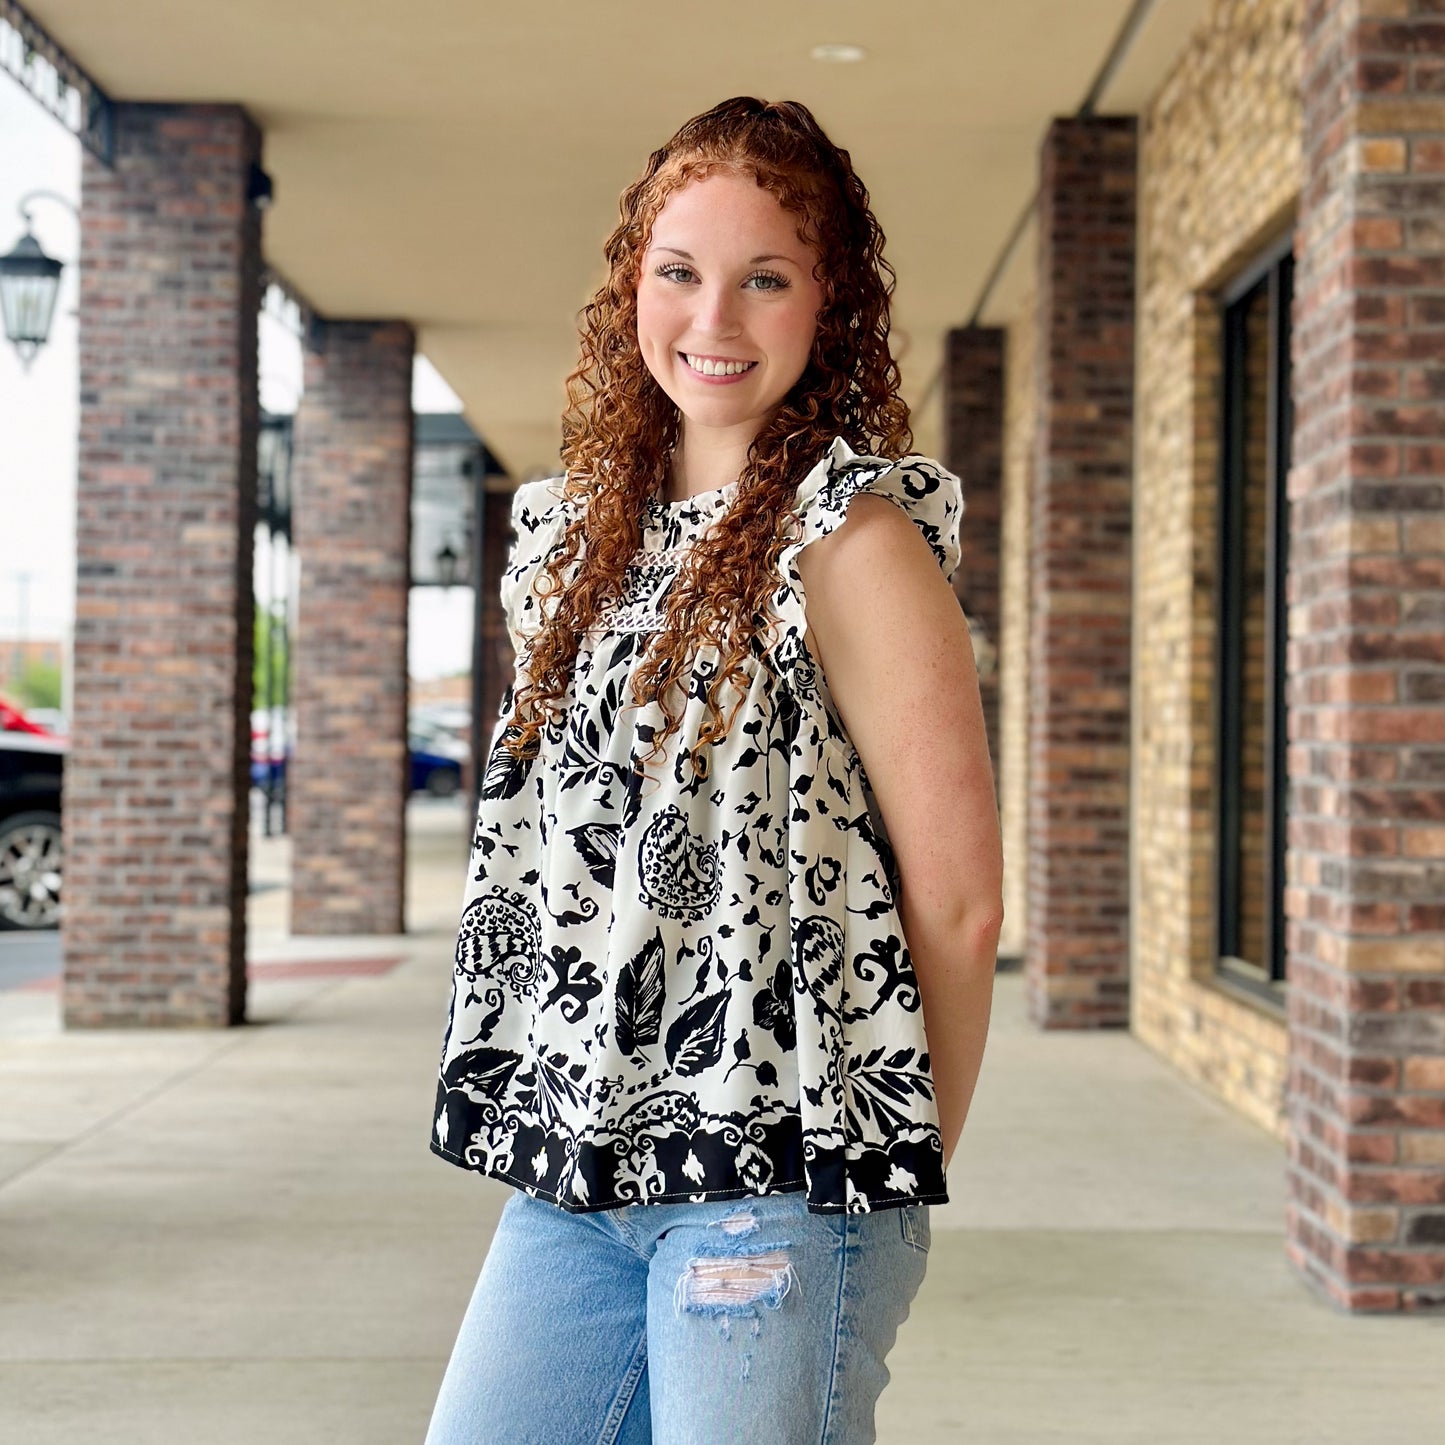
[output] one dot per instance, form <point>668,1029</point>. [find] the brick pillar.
<point>1077,955</point>
<point>973,396</point>
<point>352,518</point>
<point>156,789</point>
<point>1365,904</point>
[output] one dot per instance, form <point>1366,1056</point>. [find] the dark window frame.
<point>1270,275</point>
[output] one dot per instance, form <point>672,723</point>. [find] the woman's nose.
<point>717,312</point>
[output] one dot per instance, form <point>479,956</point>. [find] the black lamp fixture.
<point>447,559</point>
<point>260,190</point>
<point>29,283</point>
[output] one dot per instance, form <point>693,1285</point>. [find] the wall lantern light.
<point>447,559</point>
<point>29,284</point>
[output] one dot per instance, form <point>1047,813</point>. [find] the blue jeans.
<point>734,1322</point>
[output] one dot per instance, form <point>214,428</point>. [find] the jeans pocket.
<point>917,1229</point>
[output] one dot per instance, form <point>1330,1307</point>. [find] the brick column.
<point>348,784</point>
<point>973,396</point>
<point>1365,904</point>
<point>1077,956</point>
<point>156,780</point>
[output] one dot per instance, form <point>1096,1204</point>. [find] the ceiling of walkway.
<point>458,164</point>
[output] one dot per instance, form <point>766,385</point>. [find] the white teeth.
<point>705,367</point>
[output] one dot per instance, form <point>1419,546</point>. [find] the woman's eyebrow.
<point>756,260</point>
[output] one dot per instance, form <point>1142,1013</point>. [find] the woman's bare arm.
<point>895,651</point>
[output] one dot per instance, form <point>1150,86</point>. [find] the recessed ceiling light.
<point>839,54</point>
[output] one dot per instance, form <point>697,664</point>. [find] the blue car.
<point>431,772</point>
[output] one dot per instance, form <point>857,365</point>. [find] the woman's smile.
<point>716,370</point>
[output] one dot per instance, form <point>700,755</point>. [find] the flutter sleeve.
<point>539,516</point>
<point>930,495</point>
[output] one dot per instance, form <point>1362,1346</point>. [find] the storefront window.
<point>1251,617</point>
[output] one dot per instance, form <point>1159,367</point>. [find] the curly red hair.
<point>619,426</point>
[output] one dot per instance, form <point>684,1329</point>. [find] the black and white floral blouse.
<point>698,990</point>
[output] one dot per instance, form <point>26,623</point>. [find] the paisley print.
<point>685,988</point>
<point>679,870</point>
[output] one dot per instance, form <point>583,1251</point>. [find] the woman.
<point>686,1026</point>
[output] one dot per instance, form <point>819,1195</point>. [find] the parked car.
<point>434,772</point>
<point>51,719</point>
<point>31,766</point>
<point>14,720</point>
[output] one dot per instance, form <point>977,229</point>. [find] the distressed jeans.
<point>733,1322</point>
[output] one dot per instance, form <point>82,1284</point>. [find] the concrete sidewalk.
<point>240,1238</point>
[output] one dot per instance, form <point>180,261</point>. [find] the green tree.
<point>39,685</point>
<point>272,691</point>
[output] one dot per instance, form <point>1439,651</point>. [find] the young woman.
<point>743,759</point>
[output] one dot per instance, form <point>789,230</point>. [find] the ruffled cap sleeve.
<point>930,494</point>
<point>539,517</point>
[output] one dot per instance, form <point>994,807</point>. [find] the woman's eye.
<point>674,272</point>
<point>772,281</point>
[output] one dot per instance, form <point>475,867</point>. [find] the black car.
<point>30,771</point>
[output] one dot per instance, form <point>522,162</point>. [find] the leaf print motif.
<point>482,1071</point>
<point>882,1095</point>
<point>695,1040</point>
<point>640,988</point>
<point>583,764</point>
<point>558,1096</point>
<point>596,845</point>
<point>504,774</point>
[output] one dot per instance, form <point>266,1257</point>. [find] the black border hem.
<point>791,1186</point>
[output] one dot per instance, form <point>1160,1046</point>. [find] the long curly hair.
<point>619,426</point>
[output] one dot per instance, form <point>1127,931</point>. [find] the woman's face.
<point>727,304</point>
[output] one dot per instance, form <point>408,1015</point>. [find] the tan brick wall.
<point>1020,428</point>
<point>1220,167</point>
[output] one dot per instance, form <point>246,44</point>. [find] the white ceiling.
<point>458,165</point>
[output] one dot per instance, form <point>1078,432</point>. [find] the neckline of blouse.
<point>715,499</point>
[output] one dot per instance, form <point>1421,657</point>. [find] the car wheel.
<point>30,871</point>
<point>443,782</point>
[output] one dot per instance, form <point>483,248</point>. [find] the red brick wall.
<point>352,520</point>
<point>1366,922</point>
<point>1077,963</point>
<point>973,396</point>
<point>156,780</point>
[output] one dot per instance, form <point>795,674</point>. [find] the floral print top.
<point>699,990</point>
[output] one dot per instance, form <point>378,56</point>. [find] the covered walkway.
<point>239,1236</point>
<point>1170,303</point>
